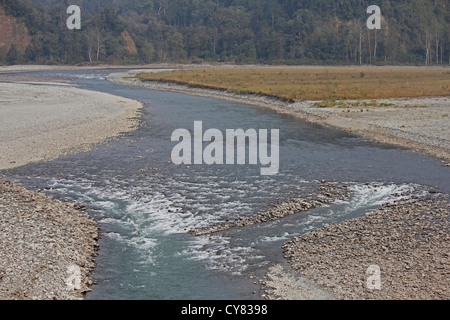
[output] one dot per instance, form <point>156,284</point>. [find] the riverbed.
<point>146,206</point>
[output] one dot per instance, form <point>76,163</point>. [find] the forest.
<point>275,32</point>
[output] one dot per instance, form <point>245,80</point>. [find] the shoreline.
<point>47,246</point>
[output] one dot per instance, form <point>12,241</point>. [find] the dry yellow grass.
<point>315,83</point>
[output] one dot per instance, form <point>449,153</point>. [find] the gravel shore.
<point>408,241</point>
<point>421,124</point>
<point>47,247</point>
<point>326,193</point>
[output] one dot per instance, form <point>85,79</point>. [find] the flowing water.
<point>145,205</point>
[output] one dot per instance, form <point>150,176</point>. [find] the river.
<point>145,205</point>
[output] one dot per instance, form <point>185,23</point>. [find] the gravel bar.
<point>47,247</point>
<point>408,241</point>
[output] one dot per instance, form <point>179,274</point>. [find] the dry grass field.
<point>315,83</point>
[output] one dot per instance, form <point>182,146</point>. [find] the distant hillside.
<point>235,31</point>
<point>14,38</point>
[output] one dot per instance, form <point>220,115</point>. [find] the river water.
<point>145,205</point>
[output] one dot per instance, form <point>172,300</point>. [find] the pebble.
<point>408,240</point>
<point>330,190</point>
<point>40,238</point>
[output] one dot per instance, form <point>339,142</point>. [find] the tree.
<point>13,55</point>
<point>247,31</point>
<point>148,52</point>
<point>2,56</point>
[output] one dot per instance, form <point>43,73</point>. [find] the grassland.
<point>314,83</point>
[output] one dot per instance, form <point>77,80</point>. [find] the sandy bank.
<point>42,122</point>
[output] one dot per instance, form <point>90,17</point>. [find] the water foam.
<point>140,218</point>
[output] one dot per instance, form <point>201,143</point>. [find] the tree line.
<point>232,31</point>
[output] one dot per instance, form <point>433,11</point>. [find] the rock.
<point>338,256</point>
<point>291,206</point>
<point>39,238</point>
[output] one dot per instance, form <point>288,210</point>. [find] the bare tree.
<point>427,47</point>
<point>96,43</point>
<point>355,40</point>
<point>216,18</point>
<point>375,45</point>
<point>360,43</point>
